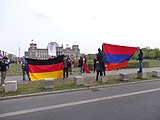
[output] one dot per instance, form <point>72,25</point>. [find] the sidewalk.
<point>116,72</point>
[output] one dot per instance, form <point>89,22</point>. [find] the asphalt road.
<point>128,102</point>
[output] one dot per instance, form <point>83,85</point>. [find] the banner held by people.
<point>117,56</point>
<point>41,69</point>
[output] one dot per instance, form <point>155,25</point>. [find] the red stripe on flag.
<point>117,49</point>
<point>45,68</point>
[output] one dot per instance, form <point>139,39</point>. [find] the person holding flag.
<point>100,63</point>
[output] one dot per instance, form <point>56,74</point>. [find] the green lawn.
<point>38,86</point>
<point>14,70</point>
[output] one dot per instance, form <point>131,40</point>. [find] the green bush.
<point>90,66</point>
<point>134,64</point>
<point>131,64</point>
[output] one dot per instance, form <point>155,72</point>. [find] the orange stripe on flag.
<point>42,76</point>
<point>116,66</point>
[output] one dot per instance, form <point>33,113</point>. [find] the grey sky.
<point>88,23</point>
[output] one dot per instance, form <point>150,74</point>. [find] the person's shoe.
<point>3,85</point>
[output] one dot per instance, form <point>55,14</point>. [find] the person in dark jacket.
<point>101,64</point>
<point>80,64</point>
<point>140,59</point>
<point>25,69</point>
<point>66,65</point>
<point>94,64</point>
<point>3,69</point>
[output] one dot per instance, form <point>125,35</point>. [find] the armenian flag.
<point>41,69</point>
<point>117,56</point>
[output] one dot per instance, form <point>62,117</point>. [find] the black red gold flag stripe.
<point>41,69</point>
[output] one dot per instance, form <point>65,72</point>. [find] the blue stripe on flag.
<point>116,58</point>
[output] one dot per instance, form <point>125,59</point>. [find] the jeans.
<point>3,77</point>
<point>81,69</point>
<point>24,72</point>
<point>65,72</point>
<point>140,65</point>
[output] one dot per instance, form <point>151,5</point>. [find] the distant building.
<point>36,53</point>
<point>3,53</point>
<point>9,55</point>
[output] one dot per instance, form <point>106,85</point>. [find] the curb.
<point>74,90</point>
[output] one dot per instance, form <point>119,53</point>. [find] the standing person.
<point>65,69</point>
<point>25,69</point>
<point>72,60</point>
<point>104,64</point>
<point>3,69</point>
<point>7,63</point>
<point>80,64</point>
<point>100,59</point>
<point>94,64</point>
<point>97,69</point>
<point>69,64</point>
<point>84,63</point>
<point>140,59</point>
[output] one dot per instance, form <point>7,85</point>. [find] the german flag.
<point>41,69</point>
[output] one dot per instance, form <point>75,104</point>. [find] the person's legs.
<point>81,69</point>
<point>64,72</point>
<point>23,72</point>
<point>2,81</point>
<point>97,75</point>
<point>104,71</point>
<point>3,76</point>
<point>27,72</point>
<point>140,65</point>
<point>101,69</point>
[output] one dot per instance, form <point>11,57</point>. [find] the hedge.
<point>132,64</point>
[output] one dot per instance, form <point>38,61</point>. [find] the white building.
<point>36,53</point>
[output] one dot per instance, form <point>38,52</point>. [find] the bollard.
<point>123,76</point>
<point>10,86</point>
<point>141,75</point>
<point>48,83</point>
<point>155,73</point>
<point>78,80</point>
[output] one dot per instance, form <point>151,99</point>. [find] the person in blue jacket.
<point>25,69</point>
<point>140,59</point>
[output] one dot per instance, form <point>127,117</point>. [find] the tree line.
<point>148,53</point>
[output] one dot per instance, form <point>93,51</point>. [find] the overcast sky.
<point>88,23</point>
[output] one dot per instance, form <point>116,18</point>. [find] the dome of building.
<point>54,43</point>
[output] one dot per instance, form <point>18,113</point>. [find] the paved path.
<point>116,72</point>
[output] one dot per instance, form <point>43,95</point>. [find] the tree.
<point>152,55</point>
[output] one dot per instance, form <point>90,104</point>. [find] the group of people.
<point>82,64</point>
<point>99,65</point>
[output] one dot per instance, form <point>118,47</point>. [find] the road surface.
<point>128,102</point>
